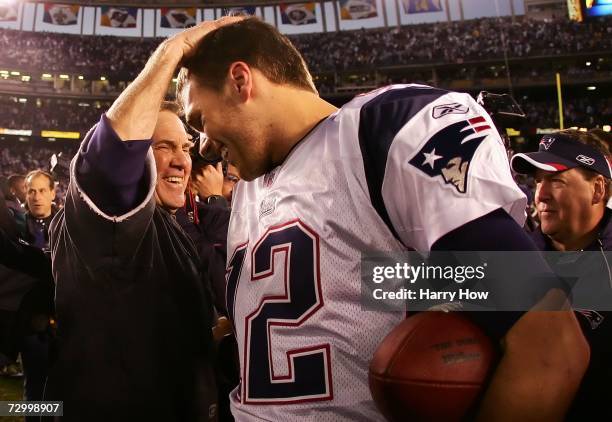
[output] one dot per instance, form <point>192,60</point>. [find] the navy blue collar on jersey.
<point>558,152</point>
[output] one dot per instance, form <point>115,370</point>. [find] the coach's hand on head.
<point>134,114</point>
<point>189,39</point>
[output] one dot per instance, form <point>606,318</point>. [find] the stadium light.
<point>81,77</point>
<point>606,128</point>
<point>102,78</point>
<point>59,134</point>
<point>46,76</point>
<point>25,78</point>
<point>591,88</point>
<point>15,73</point>
<point>23,100</point>
<point>588,63</point>
<point>64,77</point>
<point>4,72</point>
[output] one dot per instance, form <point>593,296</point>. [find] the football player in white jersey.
<point>406,166</point>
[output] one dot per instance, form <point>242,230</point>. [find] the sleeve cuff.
<point>81,167</point>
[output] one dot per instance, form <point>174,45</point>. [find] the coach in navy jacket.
<point>134,319</point>
<point>134,335</point>
<point>573,185</point>
<point>593,397</point>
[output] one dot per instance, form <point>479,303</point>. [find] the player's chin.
<point>249,171</point>
<point>249,178</point>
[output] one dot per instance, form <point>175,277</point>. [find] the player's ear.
<point>241,80</point>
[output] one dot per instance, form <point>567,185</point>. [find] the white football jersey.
<point>393,169</point>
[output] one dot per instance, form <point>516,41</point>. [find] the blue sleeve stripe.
<point>379,122</point>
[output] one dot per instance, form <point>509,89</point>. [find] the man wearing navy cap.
<point>573,186</point>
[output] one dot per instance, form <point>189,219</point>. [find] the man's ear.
<point>241,80</point>
<point>599,189</point>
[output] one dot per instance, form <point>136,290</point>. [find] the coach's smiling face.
<point>171,145</point>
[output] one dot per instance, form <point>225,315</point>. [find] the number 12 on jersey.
<point>292,251</point>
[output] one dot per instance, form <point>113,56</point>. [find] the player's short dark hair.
<point>254,42</point>
<point>171,106</point>
<point>602,142</point>
<point>36,173</point>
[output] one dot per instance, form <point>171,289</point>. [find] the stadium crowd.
<point>62,52</point>
<point>21,158</point>
<point>53,114</point>
<point>581,112</point>
<point>48,114</point>
<point>452,42</point>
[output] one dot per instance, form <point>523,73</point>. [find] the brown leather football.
<point>433,366</point>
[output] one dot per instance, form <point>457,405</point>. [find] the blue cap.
<point>558,152</point>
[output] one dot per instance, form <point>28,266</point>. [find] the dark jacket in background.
<point>209,234</point>
<point>37,229</point>
<point>594,399</point>
<point>26,302</point>
<point>26,284</point>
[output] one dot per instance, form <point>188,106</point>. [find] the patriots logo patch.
<point>594,318</point>
<point>546,142</point>
<point>449,152</point>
